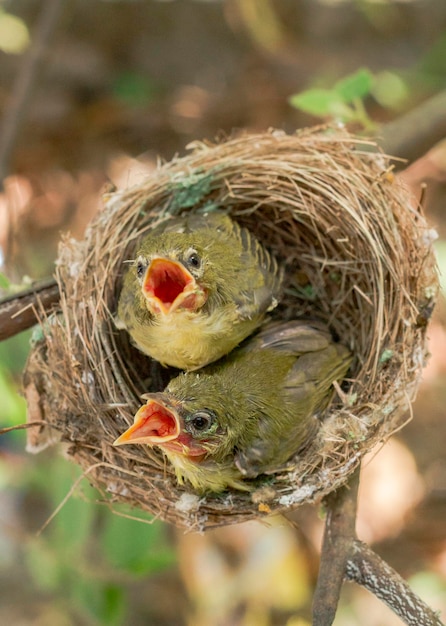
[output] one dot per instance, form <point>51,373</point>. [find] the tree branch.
<point>412,135</point>
<point>343,556</point>
<point>336,547</point>
<point>368,569</point>
<point>20,310</point>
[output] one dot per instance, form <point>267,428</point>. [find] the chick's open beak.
<point>154,424</point>
<point>168,285</point>
<point>157,425</point>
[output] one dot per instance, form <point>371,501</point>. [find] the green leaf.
<point>318,102</point>
<point>354,86</point>
<point>389,89</point>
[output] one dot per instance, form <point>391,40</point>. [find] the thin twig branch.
<point>10,429</point>
<point>26,81</point>
<point>369,570</point>
<point>21,310</point>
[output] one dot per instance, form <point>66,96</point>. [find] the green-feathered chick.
<point>199,285</point>
<point>248,414</point>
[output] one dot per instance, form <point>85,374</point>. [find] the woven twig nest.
<point>358,256</point>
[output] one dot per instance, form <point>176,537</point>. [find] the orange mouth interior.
<point>156,421</point>
<point>154,424</point>
<point>166,280</point>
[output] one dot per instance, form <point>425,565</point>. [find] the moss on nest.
<point>358,255</point>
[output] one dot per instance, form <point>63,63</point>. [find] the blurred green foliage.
<point>133,90</point>
<point>87,557</point>
<point>4,281</point>
<point>13,406</point>
<point>390,88</point>
<point>430,72</point>
<point>343,102</point>
<point>13,354</point>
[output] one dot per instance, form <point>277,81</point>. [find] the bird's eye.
<point>202,421</point>
<point>141,267</point>
<point>194,260</point>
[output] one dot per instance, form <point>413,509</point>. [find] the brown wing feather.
<point>306,391</point>
<point>293,338</point>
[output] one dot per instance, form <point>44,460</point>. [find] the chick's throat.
<point>168,286</point>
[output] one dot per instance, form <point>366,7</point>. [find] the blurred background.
<point>123,84</point>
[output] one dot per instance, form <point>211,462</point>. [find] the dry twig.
<point>22,310</point>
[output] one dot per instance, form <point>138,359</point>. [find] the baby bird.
<point>199,285</point>
<point>247,414</point>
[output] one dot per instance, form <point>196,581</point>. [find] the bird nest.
<point>358,256</point>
